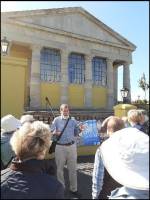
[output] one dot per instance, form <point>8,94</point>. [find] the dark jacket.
<point>109,184</point>
<point>29,180</point>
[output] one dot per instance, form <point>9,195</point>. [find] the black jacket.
<point>29,180</point>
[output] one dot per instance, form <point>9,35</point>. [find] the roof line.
<point>68,10</point>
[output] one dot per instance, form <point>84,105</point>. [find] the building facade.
<point>64,54</point>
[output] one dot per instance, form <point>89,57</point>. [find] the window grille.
<point>76,68</point>
<point>50,69</point>
<point>99,71</point>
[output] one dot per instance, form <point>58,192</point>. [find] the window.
<point>50,69</point>
<point>76,68</point>
<point>99,71</point>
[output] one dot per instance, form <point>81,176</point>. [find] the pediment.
<point>76,22</point>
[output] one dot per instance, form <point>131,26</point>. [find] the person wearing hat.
<point>8,125</point>
<point>102,183</point>
<point>125,155</point>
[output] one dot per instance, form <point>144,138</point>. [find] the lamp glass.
<point>124,92</point>
<point>4,46</point>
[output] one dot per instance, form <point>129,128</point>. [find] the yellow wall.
<point>52,91</point>
<point>20,51</point>
<point>76,96</point>
<point>12,85</point>
<point>15,89</point>
<point>99,97</point>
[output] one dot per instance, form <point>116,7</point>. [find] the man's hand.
<point>82,127</point>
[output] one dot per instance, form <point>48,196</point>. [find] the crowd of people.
<point>123,155</point>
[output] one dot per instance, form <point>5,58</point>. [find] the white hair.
<point>31,140</point>
<point>26,118</point>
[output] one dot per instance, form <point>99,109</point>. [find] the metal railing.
<point>47,116</point>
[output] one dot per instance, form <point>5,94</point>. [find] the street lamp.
<point>138,99</point>
<point>4,46</point>
<point>124,94</point>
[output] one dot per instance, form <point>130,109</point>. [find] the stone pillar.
<point>88,81</point>
<point>110,84</point>
<point>126,79</point>
<point>115,84</point>
<point>64,76</point>
<point>35,90</point>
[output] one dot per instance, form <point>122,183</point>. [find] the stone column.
<point>126,79</point>
<point>64,76</point>
<point>88,81</point>
<point>35,90</point>
<point>110,84</point>
<point>115,84</point>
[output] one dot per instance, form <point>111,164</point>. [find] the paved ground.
<point>84,176</point>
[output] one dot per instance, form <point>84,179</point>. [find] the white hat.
<point>26,118</point>
<point>9,123</point>
<point>126,157</point>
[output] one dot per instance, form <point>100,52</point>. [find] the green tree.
<point>143,84</point>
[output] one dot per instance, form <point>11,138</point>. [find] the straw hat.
<point>9,123</point>
<point>126,157</point>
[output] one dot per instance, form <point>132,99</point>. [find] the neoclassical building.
<point>65,54</point>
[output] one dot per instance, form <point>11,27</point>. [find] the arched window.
<point>99,71</point>
<point>50,69</point>
<point>76,68</point>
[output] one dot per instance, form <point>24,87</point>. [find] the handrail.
<point>48,101</point>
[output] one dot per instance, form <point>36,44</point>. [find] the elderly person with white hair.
<point>26,118</point>
<point>126,157</point>
<point>101,178</point>
<point>9,124</point>
<point>134,118</point>
<point>26,178</point>
<point>144,122</point>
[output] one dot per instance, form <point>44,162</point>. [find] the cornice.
<point>66,33</point>
<point>19,14</point>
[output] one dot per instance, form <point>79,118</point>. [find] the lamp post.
<point>138,99</point>
<point>4,46</point>
<point>124,94</point>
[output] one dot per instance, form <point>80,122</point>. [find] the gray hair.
<point>134,116</point>
<point>26,118</point>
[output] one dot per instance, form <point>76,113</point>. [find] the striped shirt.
<point>98,175</point>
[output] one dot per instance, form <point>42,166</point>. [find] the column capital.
<point>109,60</point>
<point>126,63</point>
<point>36,47</point>
<point>65,51</point>
<point>88,57</point>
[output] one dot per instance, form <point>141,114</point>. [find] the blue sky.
<point>130,19</point>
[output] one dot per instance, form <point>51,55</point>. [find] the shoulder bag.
<point>53,145</point>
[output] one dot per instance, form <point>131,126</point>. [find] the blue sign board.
<point>90,135</point>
